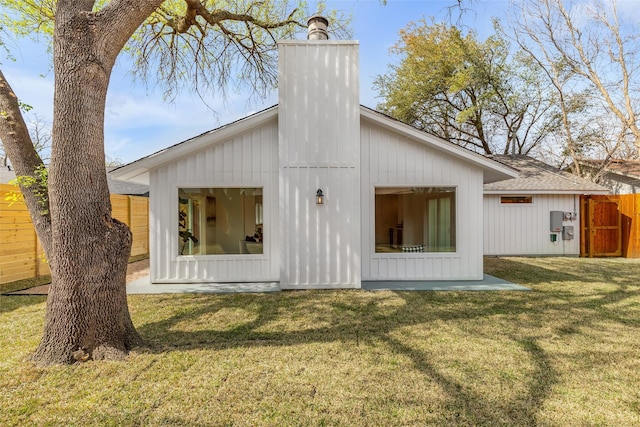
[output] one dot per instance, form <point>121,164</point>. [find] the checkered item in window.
<point>416,248</point>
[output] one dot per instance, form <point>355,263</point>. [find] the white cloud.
<point>33,90</point>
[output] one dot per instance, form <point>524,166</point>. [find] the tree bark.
<point>87,316</point>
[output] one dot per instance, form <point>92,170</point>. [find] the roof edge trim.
<point>188,146</point>
<point>439,143</point>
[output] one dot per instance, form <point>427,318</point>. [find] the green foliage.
<point>470,92</point>
<point>38,183</point>
<point>28,18</point>
<point>24,107</point>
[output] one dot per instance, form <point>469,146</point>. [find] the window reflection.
<point>217,221</point>
<point>415,219</point>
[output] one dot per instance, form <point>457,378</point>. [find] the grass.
<point>567,353</point>
<point>46,279</point>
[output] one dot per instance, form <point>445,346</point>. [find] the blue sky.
<point>138,123</point>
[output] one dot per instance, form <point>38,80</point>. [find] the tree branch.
<point>24,158</point>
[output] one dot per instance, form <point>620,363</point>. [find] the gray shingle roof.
<point>123,187</point>
<point>539,177</point>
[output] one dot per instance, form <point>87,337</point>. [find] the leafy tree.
<point>193,41</point>
<point>470,92</point>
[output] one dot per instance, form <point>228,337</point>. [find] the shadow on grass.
<point>13,302</point>
<point>557,307</point>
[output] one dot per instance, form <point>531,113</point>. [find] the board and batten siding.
<point>524,229</point>
<point>319,122</point>
<point>389,160</point>
<point>246,160</point>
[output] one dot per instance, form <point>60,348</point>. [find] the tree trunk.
<point>87,315</point>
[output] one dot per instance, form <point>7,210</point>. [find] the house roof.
<point>115,187</point>
<point>624,167</point>
<point>537,177</point>
<point>138,171</point>
<point>124,187</point>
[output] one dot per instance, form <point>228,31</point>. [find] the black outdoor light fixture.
<point>319,197</point>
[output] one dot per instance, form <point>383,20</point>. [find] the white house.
<point>397,203</point>
<point>537,213</point>
<point>622,176</point>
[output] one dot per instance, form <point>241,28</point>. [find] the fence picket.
<point>21,255</point>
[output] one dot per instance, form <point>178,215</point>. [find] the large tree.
<point>473,93</point>
<point>590,52</point>
<point>87,314</point>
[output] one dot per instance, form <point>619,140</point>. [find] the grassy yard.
<point>567,353</point>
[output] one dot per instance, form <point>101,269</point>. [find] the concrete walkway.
<point>488,283</point>
<point>143,286</point>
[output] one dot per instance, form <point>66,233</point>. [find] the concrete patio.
<point>488,283</point>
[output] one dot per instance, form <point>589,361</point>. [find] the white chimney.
<point>319,155</point>
<point>317,28</point>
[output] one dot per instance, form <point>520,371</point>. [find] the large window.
<point>415,219</point>
<point>217,221</point>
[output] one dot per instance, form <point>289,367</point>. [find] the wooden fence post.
<point>21,255</point>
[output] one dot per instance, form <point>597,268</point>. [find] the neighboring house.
<point>316,192</point>
<point>622,176</point>
<point>126,188</point>
<point>7,174</point>
<point>517,212</point>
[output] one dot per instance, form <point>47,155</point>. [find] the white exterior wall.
<point>319,123</point>
<point>390,161</point>
<point>524,229</point>
<point>620,184</point>
<point>246,160</point>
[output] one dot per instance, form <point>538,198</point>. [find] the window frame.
<point>515,203</point>
<point>222,256</point>
<point>423,253</point>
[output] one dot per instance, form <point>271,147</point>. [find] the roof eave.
<point>138,170</point>
<point>565,192</point>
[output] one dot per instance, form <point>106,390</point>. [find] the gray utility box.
<point>555,221</point>
<point>567,232</point>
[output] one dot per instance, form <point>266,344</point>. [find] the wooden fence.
<point>22,257</point>
<point>610,225</point>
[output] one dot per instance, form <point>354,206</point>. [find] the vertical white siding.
<point>390,160</point>
<point>523,229</point>
<point>247,160</point>
<point>319,123</point>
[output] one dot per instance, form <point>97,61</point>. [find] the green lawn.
<point>567,353</point>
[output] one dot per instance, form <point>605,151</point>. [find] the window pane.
<point>415,219</point>
<point>516,199</point>
<point>218,221</point>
